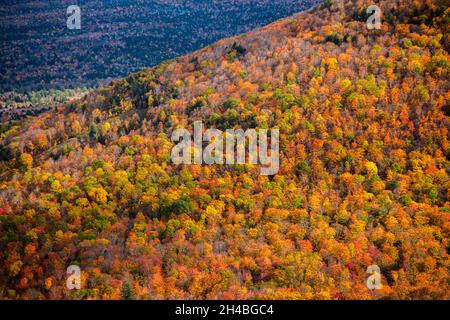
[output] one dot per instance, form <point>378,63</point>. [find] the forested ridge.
<point>39,52</point>
<point>364,170</point>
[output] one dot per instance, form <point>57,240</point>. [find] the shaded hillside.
<point>117,37</point>
<point>364,170</point>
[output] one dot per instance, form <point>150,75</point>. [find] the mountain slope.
<point>364,170</point>
<point>115,38</point>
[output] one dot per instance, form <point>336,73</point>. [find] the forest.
<point>116,37</point>
<point>364,174</point>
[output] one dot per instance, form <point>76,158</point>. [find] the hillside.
<point>117,37</point>
<point>364,170</point>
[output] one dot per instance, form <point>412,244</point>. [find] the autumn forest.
<point>364,177</point>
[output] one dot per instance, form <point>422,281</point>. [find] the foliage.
<point>363,180</point>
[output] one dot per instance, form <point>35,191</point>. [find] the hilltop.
<point>364,170</point>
